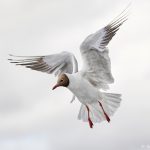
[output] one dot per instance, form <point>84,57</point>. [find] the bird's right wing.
<point>57,64</point>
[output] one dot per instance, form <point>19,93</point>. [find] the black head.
<point>63,80</point>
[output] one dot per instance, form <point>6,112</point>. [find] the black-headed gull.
<point>96,106</point>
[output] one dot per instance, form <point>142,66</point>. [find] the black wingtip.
<point>123,16</point>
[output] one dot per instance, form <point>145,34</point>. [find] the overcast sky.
<point>32,116</point>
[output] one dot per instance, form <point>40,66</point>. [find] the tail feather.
<point>113,101</point>
<point>83,115</point>
<point>110,104</point>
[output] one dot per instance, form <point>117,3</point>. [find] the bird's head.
<point>63,80</point>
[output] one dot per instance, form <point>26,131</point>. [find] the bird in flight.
<point>88,83</point>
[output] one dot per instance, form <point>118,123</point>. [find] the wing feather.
<point>57,63</point>
<point>95,54</point>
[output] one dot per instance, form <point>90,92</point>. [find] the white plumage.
<point>85,84</point>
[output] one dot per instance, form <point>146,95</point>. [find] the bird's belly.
<point>87,97</point>
<point>85,92</point>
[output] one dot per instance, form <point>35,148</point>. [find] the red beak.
<point>57,85</point>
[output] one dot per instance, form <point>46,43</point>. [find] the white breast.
<point>82,89</point>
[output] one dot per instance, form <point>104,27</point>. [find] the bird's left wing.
<point>97,68</point>
<point>100,39</point>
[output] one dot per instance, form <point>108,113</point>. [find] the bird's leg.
<point>106,116</point>
<point>89,119</point>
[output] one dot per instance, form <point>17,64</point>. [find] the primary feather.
<point>60,63</point>
<point>97,65</point>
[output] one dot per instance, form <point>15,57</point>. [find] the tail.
<point>110,103</point>
<point>112,100</point>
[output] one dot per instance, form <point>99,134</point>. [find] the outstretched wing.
<point>63,62</point>
<point>97,67</point>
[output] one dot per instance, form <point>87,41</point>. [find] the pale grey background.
<point>32,116</point>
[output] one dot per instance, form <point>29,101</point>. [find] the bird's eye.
<point>61,80</point>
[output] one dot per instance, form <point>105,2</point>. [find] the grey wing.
<point>100,39</point>
<point>97,66</point>
<point>57,64</point>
